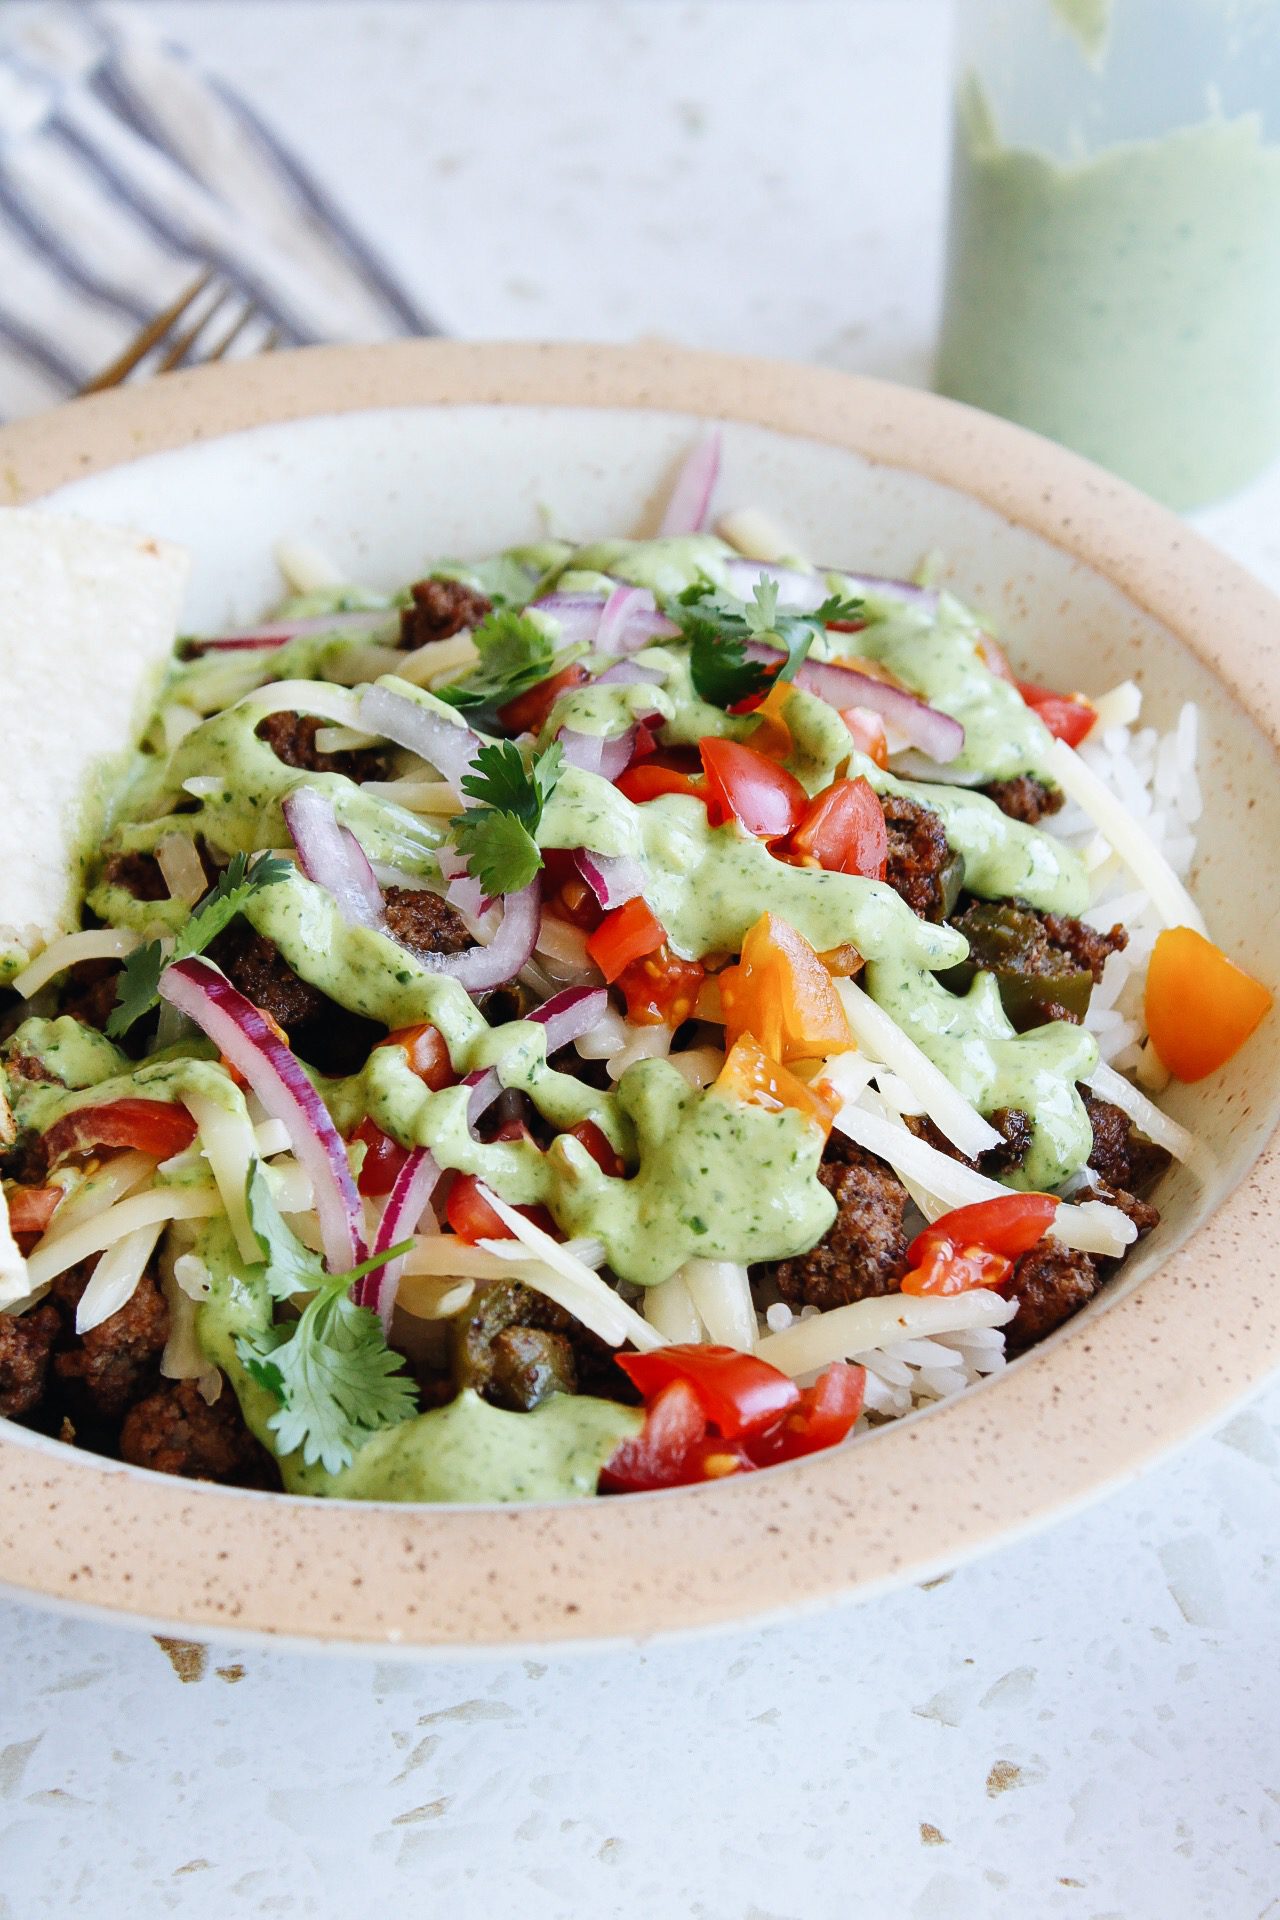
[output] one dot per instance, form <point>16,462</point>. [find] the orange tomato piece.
<point>1200,1006</point>
<point>772,736</point>
<point>781,992</point>
<point>751,1076</point>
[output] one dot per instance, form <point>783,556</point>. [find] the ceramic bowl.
<point>389,455</point>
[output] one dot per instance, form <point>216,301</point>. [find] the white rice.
<point>1155,777</point>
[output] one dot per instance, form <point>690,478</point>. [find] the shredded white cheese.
<point>866,1325</point>
<point>1130,841</point>
<point>885,1040</point>
<point>721,1294</point>
<point>566,1280</point>
<point>98,943</point>
<point>113,1280</point>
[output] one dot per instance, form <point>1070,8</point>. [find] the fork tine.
<point>184,341</point>
<point>231,335</point>
<point>155,330</point>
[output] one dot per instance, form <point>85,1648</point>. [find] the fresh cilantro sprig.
<point>497,836</point>
<point>137,991</point>
<point>719,631</point>
<point>515,654</point>
<point>332,1371</point>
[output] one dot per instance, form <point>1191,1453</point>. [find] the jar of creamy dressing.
<point>1114,255</point>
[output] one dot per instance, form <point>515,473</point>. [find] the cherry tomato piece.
<point>747,786</point>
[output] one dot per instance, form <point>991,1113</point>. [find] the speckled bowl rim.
<point>1086,1413</point>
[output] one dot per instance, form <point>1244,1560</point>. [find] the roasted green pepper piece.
<point>1038,981</point>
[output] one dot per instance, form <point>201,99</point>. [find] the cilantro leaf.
<point>515,654</point>
<point>719,631</point>
<point>337,1380</point>
<point>497,836</point>
<point>500,851</point>
<point>288,1266</point>
<point>137,991</point>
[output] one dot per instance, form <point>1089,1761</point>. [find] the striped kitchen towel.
<point>124,171</point>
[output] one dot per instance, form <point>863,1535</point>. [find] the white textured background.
<point>1083,1725</point>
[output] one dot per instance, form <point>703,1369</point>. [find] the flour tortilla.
<point>88,616</point>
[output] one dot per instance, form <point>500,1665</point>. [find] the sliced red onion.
<point>595,753</point>
<point>631,620</point>
<point>242,1035</point>
<point>278,633</point>
<point>406,1204</point>
<point>613,878</point>
<point>480,968</point>
<point>690,501</point>
<point>935,733</point>
<point>468,896</point>
<point>876,584</point>
<point>577,615</point>
<point>800,591</point>
<point>448,745</point>
<point>566,1017</point>
<point>450,862</point>
<point>628,673</point>
<point>331,855</point>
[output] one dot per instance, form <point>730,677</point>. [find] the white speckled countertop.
<point>1083,1725</point>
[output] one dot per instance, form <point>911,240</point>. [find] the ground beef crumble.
<point>921,867</point>
<point>864,1251</point>
<point>440,608</point>
<point>174,1430</point>
<point>1025,798</point>
<point>1049,1284</point>
<point>26,1343</point>
<point>292,738</point>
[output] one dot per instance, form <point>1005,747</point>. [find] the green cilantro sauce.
<point>708,1176</point>
<point>467,1450</point>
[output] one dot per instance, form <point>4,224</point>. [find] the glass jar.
<point>1114,253</point>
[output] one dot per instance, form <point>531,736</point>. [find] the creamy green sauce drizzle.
<point>706,1175</point>
<point>467,1450</point>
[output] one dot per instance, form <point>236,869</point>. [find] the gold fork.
<point>180,333</point>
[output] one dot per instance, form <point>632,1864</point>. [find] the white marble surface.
<point>1082,1725</point>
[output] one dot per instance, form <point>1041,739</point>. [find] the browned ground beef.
<point>1049,1284</point>
<point>424,922</point>
<point>27,1160</point>
<point>1119,1156</point>
<point>1011,1122</point>
<point>256,966</point>
<point>26,1341</point>
<point>292,738</point>
<point>318,1028</point>
<point>109,1366</point>
<point>174,1430</point>
<point>89,991</point>
<point>1087,947</point>
<point>864,1251</point>
<point>1024,798</point>
<point>440,609</point>
<point>138,873</point>
<point>920,862</point>
<point>515,1347</point>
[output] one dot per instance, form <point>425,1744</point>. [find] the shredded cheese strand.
<point>94,1236</point>
<point>98,943</point>
<point>867,1325</point>
<point>1134,846</point>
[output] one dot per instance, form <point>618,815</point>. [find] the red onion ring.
<point>935,733</point>
<point>449,746</point>
<point>631,620</point>
<point>331,855</point>
<point>406,1204</point>
<point>278,633</point>
<point>242,1035</point>
<point>613,878</point>
<point>595,753</point>
<point>480,968</point>
<point>566,1016</point>
<point>804,592</point>
<point>690,500</point>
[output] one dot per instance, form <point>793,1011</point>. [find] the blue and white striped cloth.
<point>124,171</point>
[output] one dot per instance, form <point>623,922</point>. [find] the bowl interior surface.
<point>386,492</point>
<point>385,489</point>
